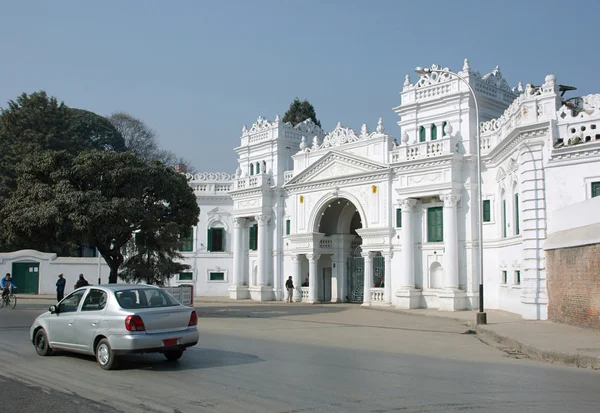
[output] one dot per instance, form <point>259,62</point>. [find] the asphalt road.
<point>296,358</point>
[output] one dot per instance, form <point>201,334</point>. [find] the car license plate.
<point>170,342</point>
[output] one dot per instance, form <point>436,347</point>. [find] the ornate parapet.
<point>210,183</point>
<point>536,105</point>
<point>424,150</point>
<point>264,130</point>
<point>579,121</point>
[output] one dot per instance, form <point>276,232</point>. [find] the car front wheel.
<point>105,355</point>
<point>41,343</point>
<point>173,355</point>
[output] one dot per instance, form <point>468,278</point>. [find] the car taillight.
<point>193,319</point>
<point>134,323</point>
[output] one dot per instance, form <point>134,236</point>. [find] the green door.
<point>26,276</point>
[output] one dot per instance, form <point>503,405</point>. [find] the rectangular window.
<point>288,225</point>
<point>186,276</point>
<point>186,243</point>
<point>504,277</point>
<point>518,277</point>
<point>399,218</point>
<point>216,276</point>
<point>517,227</point>
<point>253,246</point>
<point>216,240</point>
<point>435,224</point>
<point>504,218</point>
<point>487,211</point>
<point>595,189</point>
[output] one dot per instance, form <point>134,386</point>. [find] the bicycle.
<point>10,299</point>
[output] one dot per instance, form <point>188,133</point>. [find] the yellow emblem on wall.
<point>374,189</point>
<point>301,199</point>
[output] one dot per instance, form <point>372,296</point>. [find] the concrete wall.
<point>573,265</point>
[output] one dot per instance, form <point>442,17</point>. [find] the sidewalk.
<point>539,340</point>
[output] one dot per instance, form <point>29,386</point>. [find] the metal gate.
<point>356,278</point>
<point>378,271</point>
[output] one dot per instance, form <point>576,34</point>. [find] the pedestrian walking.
<point>289,284</point>
<point>60,287</point>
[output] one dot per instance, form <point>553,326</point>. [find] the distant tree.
<point>143,142</point>
<point>299,111</point>
<point>100,198</point>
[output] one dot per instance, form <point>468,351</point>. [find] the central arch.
<point>338,218</point>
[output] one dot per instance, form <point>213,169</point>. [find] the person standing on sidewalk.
<point>60,287</point>
<point>289,284</point>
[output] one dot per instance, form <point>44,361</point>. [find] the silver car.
<point>111,320</point>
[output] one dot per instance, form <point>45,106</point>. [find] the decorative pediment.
<point>335,164</point>
<point>218,211</point>
<point>500,174</point>
<point>512,165</point>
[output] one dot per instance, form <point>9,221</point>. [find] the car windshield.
<point>144,298</point>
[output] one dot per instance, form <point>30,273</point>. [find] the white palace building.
<point>368,218</point>
<point>365,217</point>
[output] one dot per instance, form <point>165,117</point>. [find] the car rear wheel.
<point>173,355</point>
<point>105,356</point>
<point>41,343</point>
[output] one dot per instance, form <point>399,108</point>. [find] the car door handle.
<point>95,324</point>
<point>71,323</point>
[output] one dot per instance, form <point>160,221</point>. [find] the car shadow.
<point>193,358</point>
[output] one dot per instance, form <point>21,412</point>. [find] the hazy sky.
<point>197,71</point>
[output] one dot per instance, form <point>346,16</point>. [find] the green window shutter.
<point>251,169</point>
<point>253,237</point>
<point>186,276</point>
<point>517,227</point>
<point>504,218</point>
<point>223,238</point>
<point>595,189</point>
<point>186,243</point>
<point>287,227</point>
<point>444,128</point>
<point>435,224</point>
<point>209,240</point>
<point>487,212</point>
<point>517,277</point>
<point>398,217</point>
<point>422,135</point>
<point>433,132</point>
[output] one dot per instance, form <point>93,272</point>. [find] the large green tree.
<point>98,198</point>
<point>299,111</point>
<point>37,122</point>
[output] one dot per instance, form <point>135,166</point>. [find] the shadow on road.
<point>193,359</point>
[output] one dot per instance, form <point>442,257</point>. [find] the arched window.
<point>422,135</point>
<point>444,128</point>
<point>251,169</point>
<point>258,171</point>
<point>433,132</point>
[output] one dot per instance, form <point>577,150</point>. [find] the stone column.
<point>387,292</point>
<point>238,290</point>
<point>238,276</point>
<point>264,252</point>
<point>407,277</point>
<point>450,241</point>
<point>297,263</point>
<point>313,268</point>
<point>451,298</point>
<point>368,282</point>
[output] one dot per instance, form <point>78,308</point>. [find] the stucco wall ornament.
<point>212,176</point>
<point>260,125</point>
<point>434,78</point>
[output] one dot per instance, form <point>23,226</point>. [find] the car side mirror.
<point>53,309</point>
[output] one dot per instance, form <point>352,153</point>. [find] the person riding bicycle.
<point>5,284</point>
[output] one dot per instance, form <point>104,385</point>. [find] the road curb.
<point>536,353</point>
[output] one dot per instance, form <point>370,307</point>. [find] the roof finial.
<point>407,80</point>
<point>380,128</point>
<point>303,144</point>
<point>277,119</point>
<point>466,65</point>
<point>244,130</point>
<point>496,70</point>
<point>520,87</point>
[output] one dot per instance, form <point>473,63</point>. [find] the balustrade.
<point>422,150</point>
<point>377,295</point>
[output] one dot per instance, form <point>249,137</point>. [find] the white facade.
<point>368,218</point>
<point>343,194</point>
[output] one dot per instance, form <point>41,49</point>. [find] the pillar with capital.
<point>368,282</point>
<point>387,291</point>
<point>238,290</point>
<point>263,291</point>
<point>451,298</point>
<point>313,262</point>
<point>297,264</point>
<point>407,296</point>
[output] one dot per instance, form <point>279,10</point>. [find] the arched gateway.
<point>334,270</point>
